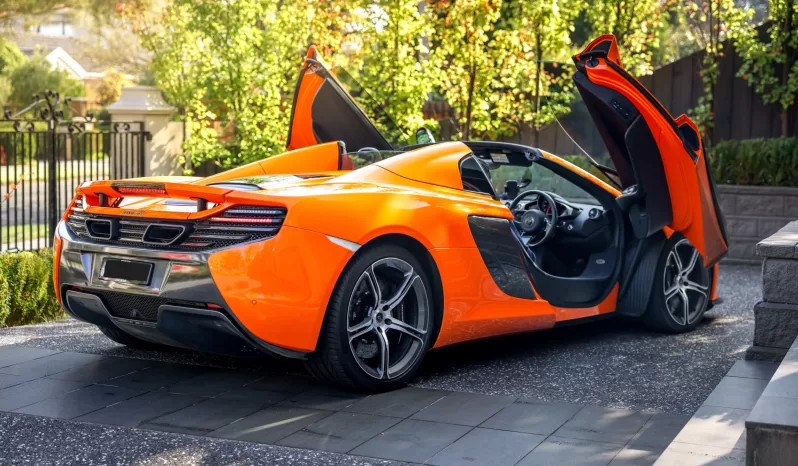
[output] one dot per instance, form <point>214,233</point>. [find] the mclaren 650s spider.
<point>358,256</point>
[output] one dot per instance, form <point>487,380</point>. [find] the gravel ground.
<point>613,363</point>
<point>43,441</point>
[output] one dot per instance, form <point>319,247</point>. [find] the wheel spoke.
<point>374,284</point>
<point>671,292</point>
<point>693,261</point>
<point>685,306</point>
<point>698,288</point>
<point>382,370</point>
<point>676,260</point>
<point>401,292</point>
<point>357,328</point>
<point>362,330</point>
<point>409,330</point>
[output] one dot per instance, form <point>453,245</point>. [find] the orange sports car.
<point>358,256</point>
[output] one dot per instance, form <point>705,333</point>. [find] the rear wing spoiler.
<point>106,198</point>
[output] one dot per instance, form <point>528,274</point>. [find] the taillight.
<point>251,215</point>
<point>146,189</point>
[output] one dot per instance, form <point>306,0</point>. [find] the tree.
<point>35,76</point>
<point>110,88</point>
<point>395,75</point>
<point>526,91</point>
<point>711,22</point>
<point>465,52</point>
<point>14,8</point>
<point>635,25</point>
<point>769,64</point>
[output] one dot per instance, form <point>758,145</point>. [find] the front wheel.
<point>680,295</point>
<point>379,322</point>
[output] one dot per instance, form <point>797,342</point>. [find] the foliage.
<point>27,294</point>
<point>10,56</point>
<point>769,64</point>
<point>396,77</point>
<point>636,26</point>
<point>36,75</point>
<point>525,92</point>
<point>771,162</point>
<point>110,88</point>
<point>10,9</point>
<point>711,23</point>
<point>465,53</point>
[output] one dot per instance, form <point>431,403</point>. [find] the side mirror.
<point>511,189</point>
<point>424,136</point>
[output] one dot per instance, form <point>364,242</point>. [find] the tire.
<point>682,283</point>
<point>355,331</point>
<point>130,341</point>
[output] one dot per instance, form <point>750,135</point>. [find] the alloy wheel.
<point>388,318</point>
<point>686,285</point>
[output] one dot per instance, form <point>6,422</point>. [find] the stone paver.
<point>414,425</point>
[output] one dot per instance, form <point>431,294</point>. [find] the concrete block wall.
<point>753,213</point>
<point>776,316</point>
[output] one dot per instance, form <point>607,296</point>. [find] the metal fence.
<point>44,158</point>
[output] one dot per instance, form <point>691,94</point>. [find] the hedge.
<point>771,162</point>
<point>27,294</point>
<point>768,162</point>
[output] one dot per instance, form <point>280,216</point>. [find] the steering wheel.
<point>536,226</point>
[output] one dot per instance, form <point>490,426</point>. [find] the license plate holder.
<point>126,271</point>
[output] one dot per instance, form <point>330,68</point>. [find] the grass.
<point>20,232</point>
<point>66,169</point>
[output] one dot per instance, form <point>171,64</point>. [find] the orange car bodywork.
<point>279,288</point>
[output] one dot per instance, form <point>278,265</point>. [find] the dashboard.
<point>576,220</point>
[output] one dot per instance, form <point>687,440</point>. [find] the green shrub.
<point>772,162</point>
<point>27,295</point>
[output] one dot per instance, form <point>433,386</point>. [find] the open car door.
<point>323,112</point>
<point>660,161</point>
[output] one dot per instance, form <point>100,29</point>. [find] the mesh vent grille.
<point>133,306</point>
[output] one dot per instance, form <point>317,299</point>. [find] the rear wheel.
<point>681,290</point>
<point>379,322</point>
<point>124,339</point>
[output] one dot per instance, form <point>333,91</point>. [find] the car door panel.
<point>660,161</point>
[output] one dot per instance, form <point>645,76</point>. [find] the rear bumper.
<point>183,306</point>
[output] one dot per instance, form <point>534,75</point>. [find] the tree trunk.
<point>787,67</point>
<point>539,68</point>
<point>472,77</point>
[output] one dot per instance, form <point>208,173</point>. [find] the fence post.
<point>162,149</point>
<point>52,180</point>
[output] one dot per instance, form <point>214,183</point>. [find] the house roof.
<point>74,48</point>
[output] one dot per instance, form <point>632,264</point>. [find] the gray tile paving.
<point>102,371</point>
<point>714,426</point>
<point>51,364</point>
<point>212,383</point>
<point>34,391</point>
<point>157,376</point>
<point>327,399</point>
<point>412,441</point>
<point>11,355</point>
<point>659,431</point>
<point>8,380</point>
<point>637,456</point>
<point>753,369</point>
<point>339,432</point>
<point>134,411</point>
<point>532,416</point>
<point>487,446</point>
<point>271,424</point>
<point>555,451</point>
<point>79,402</point>
<point>204,417</point>
<point>603,425</point>
<point>398,403</point>
<point>736,392</point>
<point>469,409</point>
<point>689,454</point>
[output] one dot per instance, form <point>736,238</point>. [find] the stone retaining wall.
<point>776,316</point>
<point>752,214</point>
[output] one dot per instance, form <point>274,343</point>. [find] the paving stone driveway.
<point>414,425</point>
